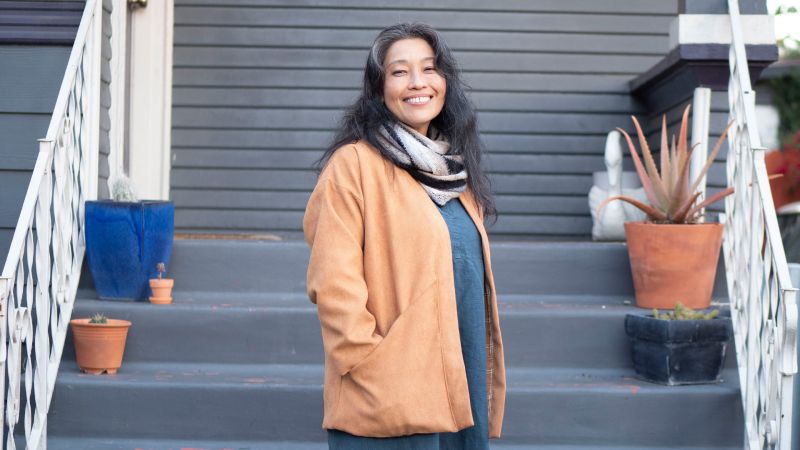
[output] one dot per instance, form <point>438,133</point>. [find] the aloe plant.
<point>671,198</point>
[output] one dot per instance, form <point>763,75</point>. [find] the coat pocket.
<point>400,387</point>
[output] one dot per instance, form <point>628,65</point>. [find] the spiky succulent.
<point>160,268</point>
<point>98,318</point>
<point>683,313</point>
<point>671,198</point>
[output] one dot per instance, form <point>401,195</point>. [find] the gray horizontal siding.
<point>29,81</point>
<point>449,6</point>
<point>258,86</point>
<point>53,22</point>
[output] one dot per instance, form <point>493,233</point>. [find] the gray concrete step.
<point>526,268</point>
<point>283,402</point>
<point>539,331</point>
<point>67,443</point>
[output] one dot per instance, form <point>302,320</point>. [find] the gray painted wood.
<point>31,94</point>
<point>29,82</point>
<point>6,234</point>
<point>258,86</point>
<point>567,6</point>
<point>355,17</point>
<point>15,184</point>
<point>39,22</point>
<point>18,146</point>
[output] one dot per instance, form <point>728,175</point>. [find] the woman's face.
<point>413,89</point>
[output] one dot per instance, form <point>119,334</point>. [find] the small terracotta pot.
<point>673,263</point>
<point>99,347</point>
<point>162,291</point>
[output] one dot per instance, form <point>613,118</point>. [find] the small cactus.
<point>99,318</point>
<point>122,190</point>
<point>683,313</point>
<point>161,268</point>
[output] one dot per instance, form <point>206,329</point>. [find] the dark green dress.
<point>468,271</point>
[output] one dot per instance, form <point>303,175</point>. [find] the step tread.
<point>299,376</point>
<point>72,443</point>
<point>509,303</point>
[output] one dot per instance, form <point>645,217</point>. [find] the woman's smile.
<point>418,100</point>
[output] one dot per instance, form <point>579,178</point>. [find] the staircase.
<point>236,361</point>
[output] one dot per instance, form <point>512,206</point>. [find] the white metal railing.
<point>40,276</point>
<point>759,285</point>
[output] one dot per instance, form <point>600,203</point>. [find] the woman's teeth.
<point>418,99</point>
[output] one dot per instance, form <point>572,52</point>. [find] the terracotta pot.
<point>673,263</point>
<point>99,347</point>
<point>162,291</point>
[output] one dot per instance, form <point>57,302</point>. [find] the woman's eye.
<point>430,69</point>
<point>399,72</point>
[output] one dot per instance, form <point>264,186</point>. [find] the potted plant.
<point>679,347</point>
<point>99,343</point>
<point>672,253</point>
<point>161,287</point>
<point>125,239</point>
<point>786,162</point>
<point>784,82</point>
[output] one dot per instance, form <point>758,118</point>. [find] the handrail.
<point>40,276</point>
<point>763,300</point>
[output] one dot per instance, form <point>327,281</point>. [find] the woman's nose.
<point>416,80</point>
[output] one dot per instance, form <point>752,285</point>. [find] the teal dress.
<point>468,271</point>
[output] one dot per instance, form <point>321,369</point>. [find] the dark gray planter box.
<point>675,352</point>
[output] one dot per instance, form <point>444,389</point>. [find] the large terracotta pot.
<point>99,347</point>
<point>673,263</point>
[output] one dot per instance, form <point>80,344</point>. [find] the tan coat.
<point>381,274</point>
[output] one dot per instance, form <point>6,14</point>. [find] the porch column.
<point>150,97</point>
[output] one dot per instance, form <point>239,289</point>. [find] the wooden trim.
<point>150,99</point>
<point>117,112</point>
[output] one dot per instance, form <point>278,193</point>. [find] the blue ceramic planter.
<point>124,243</point>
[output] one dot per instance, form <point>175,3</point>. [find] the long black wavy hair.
<point>457,121</point>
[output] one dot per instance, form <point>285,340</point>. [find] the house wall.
<point>35,42</point>
<point>259,85</point>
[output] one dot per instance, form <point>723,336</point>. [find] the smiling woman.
<point>400,268</point>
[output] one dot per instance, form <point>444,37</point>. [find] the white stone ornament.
<point>612,182</point>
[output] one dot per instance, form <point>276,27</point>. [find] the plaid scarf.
<point>443,176</point>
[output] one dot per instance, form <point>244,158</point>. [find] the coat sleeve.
<point>333,225</point>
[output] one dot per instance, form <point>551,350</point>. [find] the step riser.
<point>61,443</point>
<point>550,337</point>
<point>557,415</point>
<point>541,269</point>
